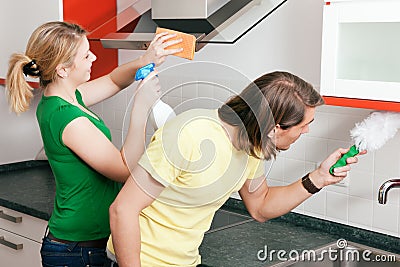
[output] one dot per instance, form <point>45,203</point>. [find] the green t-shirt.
<point>83,196</point>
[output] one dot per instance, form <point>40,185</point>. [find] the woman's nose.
<point>93,56</point>
<point>306,129</point>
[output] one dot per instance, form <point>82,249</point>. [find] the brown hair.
<point>274,98</point>
<point>51,44</point>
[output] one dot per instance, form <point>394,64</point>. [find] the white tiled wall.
<point>356,204</point>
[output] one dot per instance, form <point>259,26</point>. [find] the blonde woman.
<point>87,167</point>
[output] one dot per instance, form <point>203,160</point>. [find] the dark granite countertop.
<point>251,243</point>
<point>242,245</point>
<point>29,187</point>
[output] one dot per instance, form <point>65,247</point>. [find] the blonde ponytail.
<point>51,44</point>
<point>19,92</point>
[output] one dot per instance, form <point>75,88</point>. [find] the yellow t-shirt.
<point>194,159</point>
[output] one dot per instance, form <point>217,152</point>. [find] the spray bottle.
<point>161,111</point>
<point>371,134</point>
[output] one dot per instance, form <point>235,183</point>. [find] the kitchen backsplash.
<point>356,202</point>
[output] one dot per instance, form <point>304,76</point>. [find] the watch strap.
<point>309,185</point>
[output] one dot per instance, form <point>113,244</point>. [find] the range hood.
<point>210,21</point>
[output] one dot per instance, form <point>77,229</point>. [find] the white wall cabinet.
<point>360,50</point>
<point>18,20</point>
<point>20,238</point>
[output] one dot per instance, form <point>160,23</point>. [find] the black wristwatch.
<point>309,185</point>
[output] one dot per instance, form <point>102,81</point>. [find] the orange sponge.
<point>188,43</point>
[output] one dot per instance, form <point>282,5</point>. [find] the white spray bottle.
<point>161,111</point>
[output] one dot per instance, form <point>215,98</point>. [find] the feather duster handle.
<point>371,134</point>
<point>353,151</point>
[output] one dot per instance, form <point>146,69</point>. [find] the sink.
<point>344,254</point>
<point>225,219</point>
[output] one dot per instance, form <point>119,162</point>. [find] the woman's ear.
<point>278,130</point>
<point>271,134</point>
<point>62,71</point>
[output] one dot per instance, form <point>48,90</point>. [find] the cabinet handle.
<point>9,244</point>
<point>10,218</point>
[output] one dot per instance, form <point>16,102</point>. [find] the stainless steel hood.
<point>211,21</point>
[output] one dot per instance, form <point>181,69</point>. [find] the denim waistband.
<point>98,243</point>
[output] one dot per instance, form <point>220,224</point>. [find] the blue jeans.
<point>56,254</point>
<point>110,263</point>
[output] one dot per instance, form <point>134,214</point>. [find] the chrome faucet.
<point>384,189</point>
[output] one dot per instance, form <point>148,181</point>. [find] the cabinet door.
<point>17,22</point>
<point>18,251</point>
<point>22,224</point>
<point>360,55</point>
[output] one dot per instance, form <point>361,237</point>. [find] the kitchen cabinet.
<point>360,63</point>
<point>20,238</point>
<point>21,18</point>
<point>17,29</point>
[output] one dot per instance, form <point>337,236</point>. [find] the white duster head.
<point>375,130</point>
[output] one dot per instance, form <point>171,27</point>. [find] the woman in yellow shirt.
<point>194,163</point>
